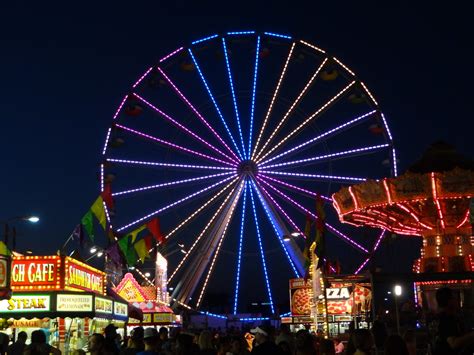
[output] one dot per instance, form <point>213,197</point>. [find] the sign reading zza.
<point>341,293</point>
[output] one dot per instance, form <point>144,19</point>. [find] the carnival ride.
<point>229,141</point>
<point>433,199</point>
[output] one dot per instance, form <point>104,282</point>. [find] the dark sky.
<point>65,68</point>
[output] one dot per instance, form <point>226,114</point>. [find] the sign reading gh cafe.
<point>32,273</point>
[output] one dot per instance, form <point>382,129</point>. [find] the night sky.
<point>64,69</point>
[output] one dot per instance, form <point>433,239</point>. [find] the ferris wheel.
<point>229,140</point>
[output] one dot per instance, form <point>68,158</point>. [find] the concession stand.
<point>156,313</point>
<point>61,296</point>
<point>348,299</point>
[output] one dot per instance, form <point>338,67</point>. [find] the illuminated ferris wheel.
<point>229,140</point>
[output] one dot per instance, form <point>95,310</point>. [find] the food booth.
<point>63,297</point>
<point>348,299</point>
<point>156,313</point>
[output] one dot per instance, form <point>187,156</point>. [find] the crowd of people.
<point>448,337</point>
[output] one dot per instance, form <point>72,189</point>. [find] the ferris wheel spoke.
<point>269,111</point>
<point>254,89</point>
<point>177,202</point>
<point>339,155</point>
<point>216,253</point>
<point>198,114</point>
<point>374,249</point>
<point>172,145</point>
<point>278,234</point>
<point>234,99</point>
<point>329,226</point>
<point>239,258</point>
<point>168,184</point>
<point>321,136</point>
<point>257,227</point>
<point>305,122</point>
<point>184,128</point>
<point>296,188</point>
<point>277,205</point>
<point>345,179</point>
<point>167,165</point>
<point>215,103</point>
<point>185,257</point>
<point>290,110</point>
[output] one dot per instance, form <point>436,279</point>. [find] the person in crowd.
<point>96,344</point>
<point>135,343</point>
<point>379,330</point>
<point>286,336</point>
<point>363,342</point>
<point>410,340</point>
<point>151,339</point>
<point>238,345</point>
<point>339,346</point>
<point>185,345</point>
<point>39,346</point>
<point>326,347</point>
<point>285,348</point>
<point>78,352</point>
<point>223,345</point>
<point>111,344</point>
<point>451,336</point>
<point>18,347</point>
<point>205,343</point>
<point>263,342</point>
<point>395,345</point>
<point>304,343</point>
<point>4,340</point>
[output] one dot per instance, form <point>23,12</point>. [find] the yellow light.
<point>273,100</point>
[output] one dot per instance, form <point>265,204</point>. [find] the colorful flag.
<point>133,234</point>
<point>154,228</point>
<point>87,223</point>
<point>99,212</point>
<point>3,249</point>
<point>141,249</point>
<point>107,196</point>
<point>128,251</point>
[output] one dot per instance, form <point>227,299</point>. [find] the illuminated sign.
<point>300,297</point>
<point>35,272</point>
<point>74,303</point>
<point>26,303</point>
<point>3,273</point>
<point>80,276</point>
<point>340,293</point>
<point>27,323</point>
<point>146,317</point>
<point>162,318</point>
<point>130,290</point>
<point>120,309</point>
<point>103,305</point>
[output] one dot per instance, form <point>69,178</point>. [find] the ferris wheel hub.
<point>247,167</point>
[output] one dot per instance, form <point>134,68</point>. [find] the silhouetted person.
<point>39,346</point>
<point>451,336</point>
<point>395,345</point>
<point>18,347</point>
<point>96,344</point>
<point>263,343</point>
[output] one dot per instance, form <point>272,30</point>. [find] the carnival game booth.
<point>63,297</point>
<point>348,299</point>
<point>156,313</point>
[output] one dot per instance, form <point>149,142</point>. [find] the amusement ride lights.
<point>247,166</point>
<point>185,129</point>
